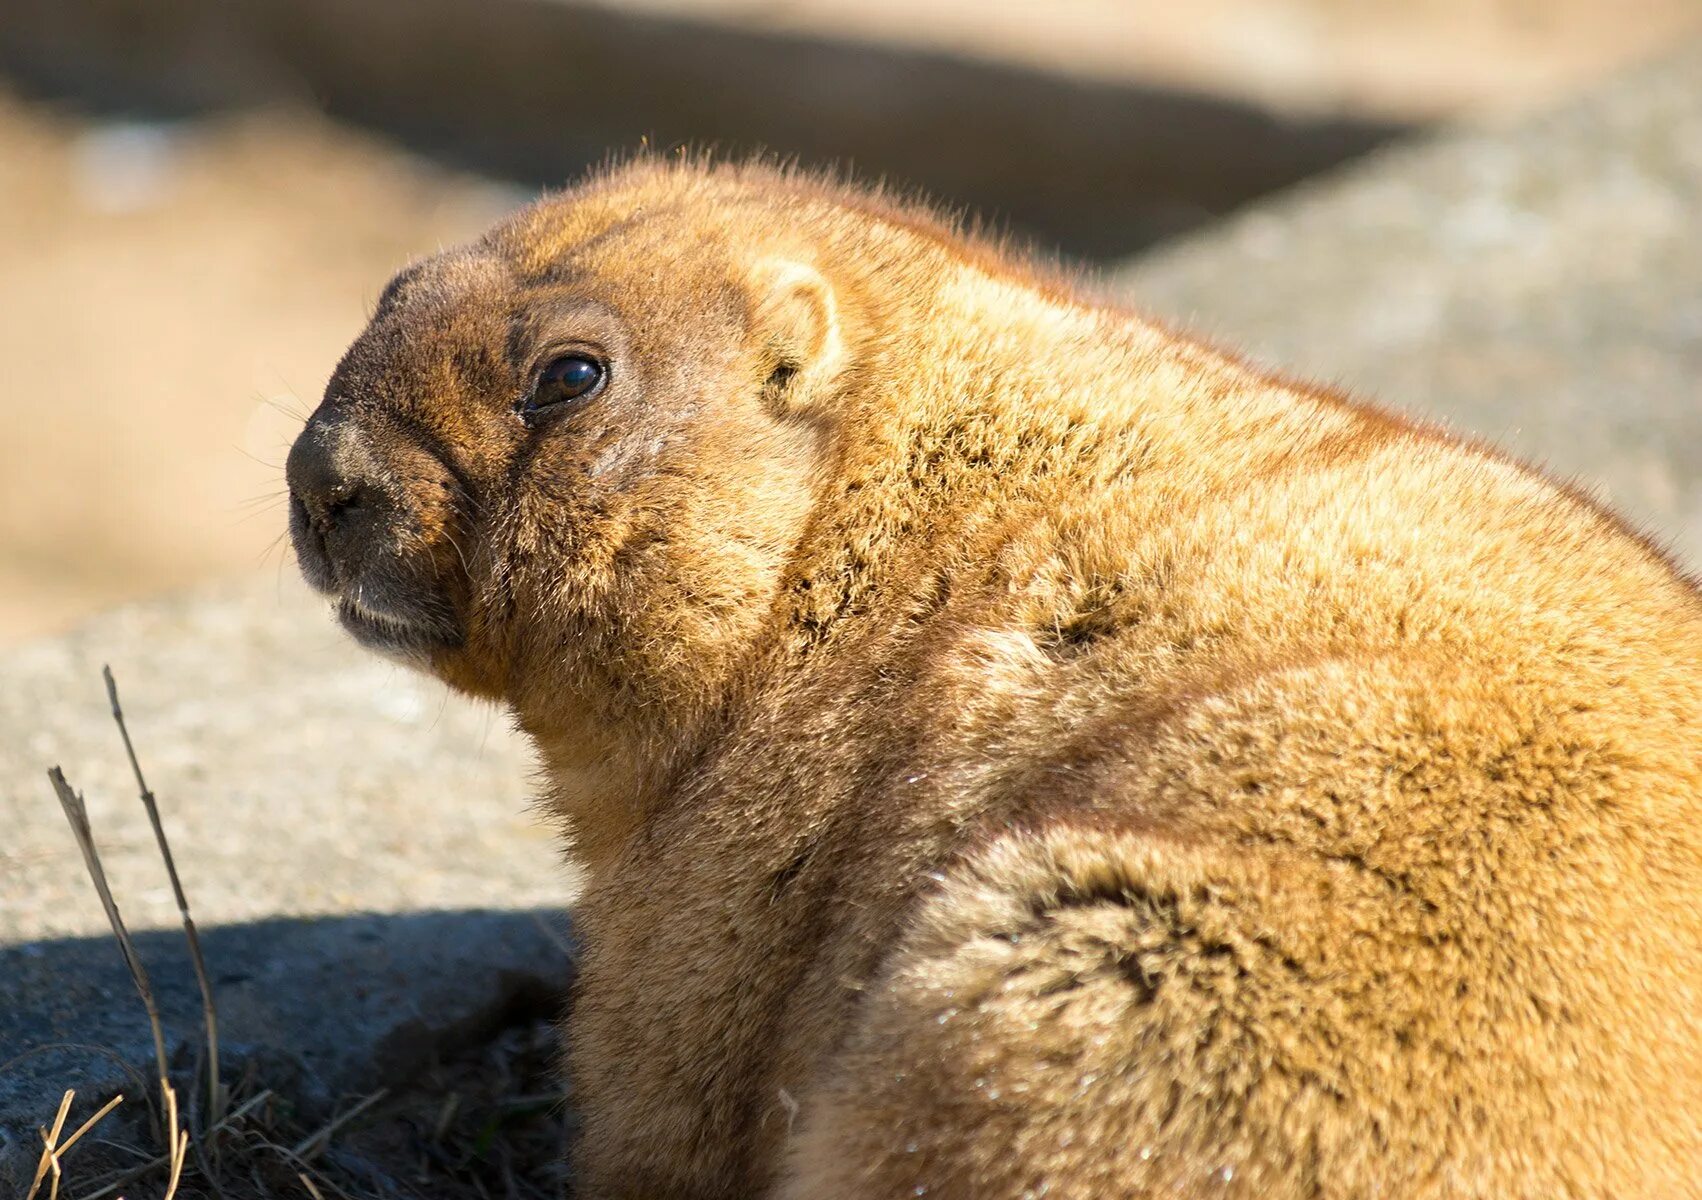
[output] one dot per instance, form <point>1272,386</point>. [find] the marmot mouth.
<point>394,634</point>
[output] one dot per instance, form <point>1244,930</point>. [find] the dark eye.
<point>571,377</point>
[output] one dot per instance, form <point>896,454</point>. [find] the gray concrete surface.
<point>357,847</point>
<point>1539,285</point>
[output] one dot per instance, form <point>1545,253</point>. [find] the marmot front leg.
<point>1083,1016</point>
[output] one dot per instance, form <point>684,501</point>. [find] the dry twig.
<point>53,1150</point>
<point>77,813</point>
<point>132,1174</point>
<point>504,1146</point>
<point>179,1138</point>
<point>49,1160</point>
<point>315,1142</point>
<point>210,1015</point>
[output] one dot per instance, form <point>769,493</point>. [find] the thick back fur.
<point>1019,751</point>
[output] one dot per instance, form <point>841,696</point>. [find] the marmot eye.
<point>570,377</point>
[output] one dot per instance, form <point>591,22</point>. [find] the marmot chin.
<point>1015,750</point>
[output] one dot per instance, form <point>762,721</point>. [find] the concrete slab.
<point>358,849</point>
<point>1539,284</point>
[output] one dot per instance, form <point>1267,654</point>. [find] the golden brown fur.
<point>1018,751</point>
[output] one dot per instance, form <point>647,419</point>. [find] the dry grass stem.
<point>179,1138</point>
<point>209,1010</point>
<point>49,1156</point>
<point>484,1124</point>
<point>77,813</point>
<point>304,1169</point>
<point>309,1146</point>
<point>53,1150</point>
<point>446,1114</point>
<point>554,935</point>
<point>90,1123</point>
<point>230,1121</point>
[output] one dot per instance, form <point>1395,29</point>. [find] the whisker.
<point>297,409</point>
<point>459,553</point>
<point>255,458</point>
<point>272,545</point>
<point>292,411</point>
<point>269,510</point>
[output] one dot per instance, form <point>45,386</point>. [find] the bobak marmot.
<point>1017,751</point>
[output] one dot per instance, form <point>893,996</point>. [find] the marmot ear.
<point>797,319</point>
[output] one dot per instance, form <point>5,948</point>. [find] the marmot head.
<point>566,465</point>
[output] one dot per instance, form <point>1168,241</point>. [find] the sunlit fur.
<point>1019,751</point>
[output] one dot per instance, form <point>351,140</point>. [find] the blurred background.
<point>200,199</point>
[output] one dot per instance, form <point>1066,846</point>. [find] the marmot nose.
<point>317,476</point>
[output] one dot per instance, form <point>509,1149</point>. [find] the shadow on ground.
<point>319,1010</point>
<point>538,91</point>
